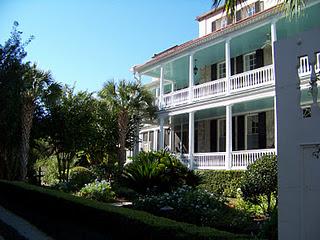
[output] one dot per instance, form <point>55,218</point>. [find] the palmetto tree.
<point>38,88</point>
<point>290,7</point>
<point>131,103</point>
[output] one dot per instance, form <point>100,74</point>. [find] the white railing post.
<point>273,40</point>
<point>228,136</point>
<point>161,104</point>
<point>191,77</point>
<point>171,133</point>
<point>191,138</point>
<point>228,65</point>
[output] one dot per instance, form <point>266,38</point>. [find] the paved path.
<point>23,228</point>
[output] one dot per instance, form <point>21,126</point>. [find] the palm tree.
<point>38,88</point>
<point>290,7</point>
<point>131,103</point>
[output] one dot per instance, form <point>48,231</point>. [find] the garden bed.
<point>64,216</point>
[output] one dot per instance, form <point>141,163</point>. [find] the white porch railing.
<point>214,160</point>
<point>176,97</point>
<point>217,160</point>
<point>304,69</point>
<point>252,79</point>
<point>239,82</point>
<point>241,159</point>
<point>208,89</point>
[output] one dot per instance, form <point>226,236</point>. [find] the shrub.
<point>260,180</point>
<point>159,171</point>
<point>79,176</point>
<point>99,191</point>
<point>221,182</point>
<point>198,207</point>
<point>71,217</point>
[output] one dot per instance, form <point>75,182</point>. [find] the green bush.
<point>49,166</point>
<point>260,180</point>
<point>198,207</point>
<point>69,217</point>
<point>159,171</point>
<point>221,182</point>
<point>99,191</point>
<point>79,176</point>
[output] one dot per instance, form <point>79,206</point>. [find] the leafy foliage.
<point>98,190</point>
<point>260,179</point>
<point>221,182</point>
<point>131,103</point>
<point>196,206</point>
<point>79,176</point>
<point>158,171</point>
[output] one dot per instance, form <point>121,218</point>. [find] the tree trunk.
<point>26,124</point>
<point>123,121</point>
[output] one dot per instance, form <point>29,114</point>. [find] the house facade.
<point>216,93</point>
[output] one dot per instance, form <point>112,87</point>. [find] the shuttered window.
<point>213,26</point>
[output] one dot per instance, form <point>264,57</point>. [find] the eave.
<point>198,42</point>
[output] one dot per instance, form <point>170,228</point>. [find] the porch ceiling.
<point>307,20</point>
<point>178,70</point>
<point>219,112</point>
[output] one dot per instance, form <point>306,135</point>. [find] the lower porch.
<point>227,137</point>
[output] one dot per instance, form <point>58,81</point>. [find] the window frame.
<point>246,60</point>
<point>219,74</point>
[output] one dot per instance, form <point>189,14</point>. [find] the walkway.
<point>23,228</point>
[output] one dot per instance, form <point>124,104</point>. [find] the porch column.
<point>191,77</point>
<point>181,135</point>
<point>161,88</point>
<point>228,64</point>
<point>155,140</point>
<point>273,40</point>
<point>171,133</point>
<point>228,136</point>
<point>191,139</point>
<point>140,141</point>
<point>161,136</point>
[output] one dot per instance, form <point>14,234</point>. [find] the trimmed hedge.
<point>64,216</point>
<point>221,182</point>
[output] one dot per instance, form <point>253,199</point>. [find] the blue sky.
<point>90,42</point>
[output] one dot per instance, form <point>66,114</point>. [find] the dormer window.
<point>251,11</point>
<point>223,22</point>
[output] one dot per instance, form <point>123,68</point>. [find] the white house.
<point>216,93</point>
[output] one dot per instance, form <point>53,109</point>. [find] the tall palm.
<point>38,87</point>
<point>131,103</point>
<point>290,7</point>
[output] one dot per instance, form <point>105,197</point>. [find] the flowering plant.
<point>97,190</point>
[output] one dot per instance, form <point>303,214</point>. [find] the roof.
<point>210,13</point>
<point>173,51</point>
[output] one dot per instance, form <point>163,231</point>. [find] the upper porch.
<point>228,64</point>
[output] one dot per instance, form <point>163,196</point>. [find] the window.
<point>252,131</point>
<point>251,11</point>
<point>221,135</point>
<point>223,22</point>
<point>221,70</point>
<point>250,61</point>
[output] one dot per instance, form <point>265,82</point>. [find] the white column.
<point>228,136</point>
<point>140,142</point>
<point>191,139</point>
<point>161,88</point>
<point>171,133</point>
<point>181,135</point>
<point>228,64</point>
<point>161,136</point>
<point>155,140</point>
<point>273,40</point>
<point>191,77</point>
<point>148,137</point>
